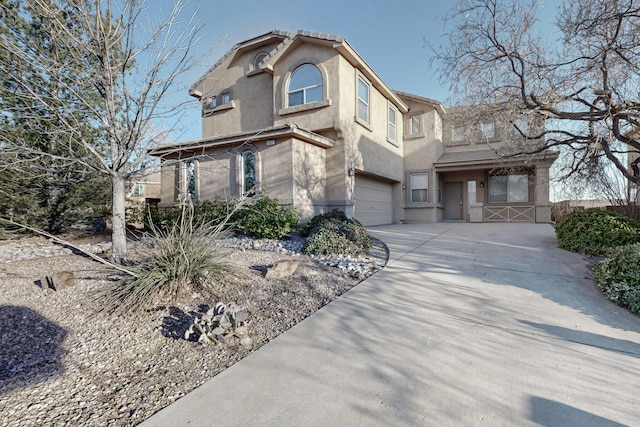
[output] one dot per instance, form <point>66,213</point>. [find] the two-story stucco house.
<point>304,116</point>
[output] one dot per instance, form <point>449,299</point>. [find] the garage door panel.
<point>374,201</point>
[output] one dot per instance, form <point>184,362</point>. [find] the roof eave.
<point>287,130</point>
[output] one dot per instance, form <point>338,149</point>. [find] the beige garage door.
<point>374,201</point>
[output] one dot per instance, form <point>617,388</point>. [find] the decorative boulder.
<point>58,281</point>
<point>281,269</point>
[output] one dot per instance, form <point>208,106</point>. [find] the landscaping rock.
<point>281,269</point>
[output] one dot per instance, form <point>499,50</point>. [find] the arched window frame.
<point>310,92</point>
<point>248,177</point>
<point>257,60</point>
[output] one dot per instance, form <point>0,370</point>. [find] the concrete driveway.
<point>469,324</point>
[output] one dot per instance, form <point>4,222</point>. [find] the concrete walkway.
<point>469,324</point>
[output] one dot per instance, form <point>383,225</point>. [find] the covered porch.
<point>482,186</point>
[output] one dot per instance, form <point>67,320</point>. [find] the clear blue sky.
<point>389,34</point>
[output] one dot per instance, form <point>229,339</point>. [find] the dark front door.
<point>452,200</point>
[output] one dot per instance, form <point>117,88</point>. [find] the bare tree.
<point>582,75</point>
<point>102,89</point>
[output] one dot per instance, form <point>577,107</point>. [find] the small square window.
<point>488,129</point>
<point>213,102</point>
<point>226,98</point>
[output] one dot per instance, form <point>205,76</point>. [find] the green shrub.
<point>263,217</point>
<point>212,212</point>
<point>266,219</point>
<point>333,233</point>
<point>595,231</point>
<point>619,276</point>
<point>180,260</point>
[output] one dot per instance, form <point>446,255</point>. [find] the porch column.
<point>541,194</point>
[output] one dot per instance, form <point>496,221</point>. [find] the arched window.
<point>191,179</point>
<point>257,60</point>
<point>248,173</point>
<point>305,85</point>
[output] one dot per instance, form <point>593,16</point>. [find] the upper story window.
<point>248,173</point>
<point>520,126</point>
<point>225,98</point>
<point>257,60</point>
<point>363,100</point>
<point>213,102</point>
<point>392,131</point>
<point>305,85</point>
<point>415,125</point>
<point>488,129</point>
<point>457,132</point>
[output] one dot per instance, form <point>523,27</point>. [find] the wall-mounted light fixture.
<point>404,186</point>
<point>351,172</point>
<point>271,142</point>
<point>481,184</point>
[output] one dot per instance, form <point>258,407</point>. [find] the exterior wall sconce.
<point>351,172</point>
<point>481,184</point>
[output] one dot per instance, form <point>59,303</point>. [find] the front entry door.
<point>452,200</point>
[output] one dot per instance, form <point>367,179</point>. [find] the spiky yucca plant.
<point>179,260</point>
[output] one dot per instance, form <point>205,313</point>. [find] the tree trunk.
<point>118,223</point>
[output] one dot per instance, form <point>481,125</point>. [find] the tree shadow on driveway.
<point>30,347</point>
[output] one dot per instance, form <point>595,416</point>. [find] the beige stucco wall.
<point>251,105</point>
<point>290,170</point>
<point>315,116</point>
<point>420,152</point>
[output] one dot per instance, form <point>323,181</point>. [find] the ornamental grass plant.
<point>176,261</point>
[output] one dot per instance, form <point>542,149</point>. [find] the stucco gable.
<point>253,43</point>
<point>437,105</point>
<point>344,48</point>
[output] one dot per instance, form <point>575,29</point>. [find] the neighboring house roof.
<point>487,157</point>
<point>290,40</point>
<point>286,130</point>
<point>434,103</point>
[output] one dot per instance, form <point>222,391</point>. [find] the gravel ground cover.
<point>63,364</point>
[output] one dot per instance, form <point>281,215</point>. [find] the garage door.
<point>374,201</point>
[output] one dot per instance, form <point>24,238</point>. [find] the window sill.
<point>305,107</point>
<point>362,123</point>
<point>419,205</point>
<point>219,108</point>
<point>393,142</point>
<point>415,136</point>
<point>457,143</point>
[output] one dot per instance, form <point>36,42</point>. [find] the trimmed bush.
<point>266,219</point>
<point>618,276</point>
<point>263,217</point>
<point>333,233</point>
<point>595,231</point>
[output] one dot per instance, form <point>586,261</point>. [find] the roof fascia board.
<point>287,130</point>
<point>358,62</point>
